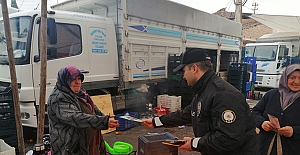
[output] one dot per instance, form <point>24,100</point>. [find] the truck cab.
<point>271,60</point>
<point>85,41</point>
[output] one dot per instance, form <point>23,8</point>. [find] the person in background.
<point>281,104</point>
<point>220,116</point>
<point>75,121</point>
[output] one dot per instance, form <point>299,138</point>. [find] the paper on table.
<point>274,121</point>
<point>131,118</point>
<point>174,142</point>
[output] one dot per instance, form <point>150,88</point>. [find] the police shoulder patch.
<point>228,116</point>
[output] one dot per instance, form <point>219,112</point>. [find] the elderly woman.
<point>282,103</point>
<point>75,121</point>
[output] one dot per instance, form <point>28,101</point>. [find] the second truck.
<point>273,53</point>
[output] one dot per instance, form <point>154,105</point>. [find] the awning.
<point>279,23</point>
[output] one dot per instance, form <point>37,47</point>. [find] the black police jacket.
<point>220,116</point>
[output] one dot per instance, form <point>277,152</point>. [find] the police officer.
<point>220,116</point>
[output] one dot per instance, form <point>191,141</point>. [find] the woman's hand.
<point>286,131</point>
<point>267,126</point>
<point>112,123</point>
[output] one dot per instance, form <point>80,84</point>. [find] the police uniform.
<point>220,116</point>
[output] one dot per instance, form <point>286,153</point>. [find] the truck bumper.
<point>267,81</point>
<point>28,114</point>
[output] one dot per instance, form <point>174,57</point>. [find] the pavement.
<point>251,102</point>
<point>131,135</point>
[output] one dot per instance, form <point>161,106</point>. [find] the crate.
<point>254,68</point>
<point>172,66</point>
<point>151,144</point>
<point>174,57</point>
<point>5,149</point>
<point>6,105</point>
<point>162,100</point>
<point>247,86</point>
<point>8,131</point>
<point>241,67</point>
<point>238,75</point>
<point>246,94</point>
<point>135,100</point>
<point>174,90</point>
<point>173,103</point>
<point>7,119</point>
<point>7,125</point>
<point>253,77</point>
<point>251,60</point>
<point>177,77</point>
<point>126,124</point>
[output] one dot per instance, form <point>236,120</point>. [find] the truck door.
<point>281,56</point>
<point>102,50</point>
<point>67,51</point>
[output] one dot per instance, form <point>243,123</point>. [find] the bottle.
<point>39,149</point>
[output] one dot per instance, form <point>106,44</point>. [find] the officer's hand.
<point>286,131</point>
<point>148,123</point>
<point>267,126</point>
<point>112,123</point>
<point>187,145</point>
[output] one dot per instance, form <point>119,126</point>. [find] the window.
<point>281,52</point>
<point>262,52</point>
<point>20,27</point>
<point>68,42</point>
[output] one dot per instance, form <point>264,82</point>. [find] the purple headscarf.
<point>69,73</point>
<point>287,95</point>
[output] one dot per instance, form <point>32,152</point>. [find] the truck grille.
<point>260,70</point>
<point>259,78</point>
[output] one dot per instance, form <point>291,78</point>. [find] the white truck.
<point>9,9</point>
<point>118,45</point>
<point>273,53</point>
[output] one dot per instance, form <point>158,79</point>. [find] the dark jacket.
<point>270,104</point>
<point>68,123</point>
<point>220,116</point>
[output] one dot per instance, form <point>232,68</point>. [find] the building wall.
<point>251,29</point>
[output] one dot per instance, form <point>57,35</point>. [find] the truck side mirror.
<point>286,51</point>
<point>36,58</point>
<point>51,53</point>
<point>51,31</point>
<point>286,62</point>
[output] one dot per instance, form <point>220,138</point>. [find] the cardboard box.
<point>5,149</point>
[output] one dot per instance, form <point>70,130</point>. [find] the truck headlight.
<point>25,115</point>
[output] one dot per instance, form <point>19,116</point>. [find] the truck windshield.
<point>262,52</point>
<point>19,31</point>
